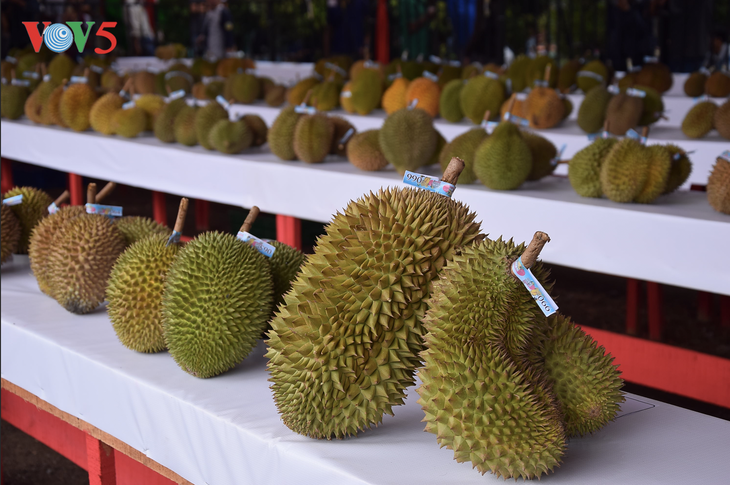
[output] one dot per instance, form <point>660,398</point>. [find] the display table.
<point>667,242</point>
<point>226,430</point>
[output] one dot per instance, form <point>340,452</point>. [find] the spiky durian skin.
<point>61,67</point>
<point>208,116</point>
<point>408,139</point>
<point>134,292</point>
<point>592,111</point>
<point>480,94</point>
<point>230,136</point>
<point>484,393</point>
<point>718,186</point>
<point>29,213</point>
<point>503,161</point>
<point>86,248</point>
<point>313,137</point>
<point>394,97</point>
<point>342,126</point>
<point>364,152</point>
<point>184,127</point>
<point>136,228</point>
<point>35,102</point>
<point>245,88</point>
<point>624,170</point>
<point>543,153</point>
<point>217,300</point>
<point>450,101</point>
<point>50,112</point>
<point>9,232</point>
<point>653,106</point>
<point>659,164</point>
<point>285,266</point>
<point>164,126</point>
<point>623,113</point>
<point>153,105</point>
<point>722,120</point>
<point>586,83</point>
<point>258,128</point>
<point>42,243</point>
<point>680,170</point>
<point>699,120</point>
<point>12,101</point>
<point>463,146</point>
<point>584,170</point>
<point>102,113</point>
<point>344,344</point>
<point>129,123</point>
<point>281,134</point>
<point>75,106</point>
<point>585,381</point>
<point>544,107</point>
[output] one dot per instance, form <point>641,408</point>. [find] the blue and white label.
<point>97,69</point>
<point>31,75</point>
<point>174,238</point>
<point>725,155</point>
<point>489,126</point>
<point>110,211</point>
<point>78,80</point>
<point>371,65</point>
<point>428,183</point>
<point>347,94</point>
<point>20,82</point>
<point>613,89</point>
<point>14,200</point>
<point>701,99</point>
<point>222,101</point>
<point>703,70</point>
<point>454,63</point>
<point>637,93</point>
<point>413,104</point>
<point>180,93</point>
<point>541,84</point>
<point>554,161</point>
<point>304,109</point>
<point>648,59</point>
<point>11,59</point>
<point>435,59</point>
<point>521,96</point>
<point>634,135</point>
<point>47,78</point>
<point>129,104</point>
<point>53,208</point>
<point>590,74</point>
<point>346,137</point>
<point>258,244</point>
<point>392,77</point>
<point>336,68</point>
<point>491,75</point>
<point>538,293</point>
<point>516,119</point>
<point>429,75</point>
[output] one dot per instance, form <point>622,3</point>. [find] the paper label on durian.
<point>491,75</point>
<point>174,238</point>
<point>638,93</point>
<point>701,99</point>
<point>250,70</point>
<point>554,161</point>
<point>346,94</point>
<point>390,78</point>
<point>633,134</point>
<point>78,80</point>
<point>97,69</point>
<point>20,82</point>
<point>648,59</point>
<point>180,93</point>
<point>725,155</point>
<point>304,109</point>
<point>14,200</point>
<point>53,208</point>
<point>489,126</point>
<point>348,134</point>
<point>47,78</point>
<point>541,83</point>
<point>521,96</point>
<point>454,63</point>
<point>429,75</point>
<point>129,105</point>
<point>31,75</point>
<point>705,71</point>
<point>11,59</point>
<point>336,68</point>
<point>516,119</point>
<point>591,74</point>
<point>371,65</point>
<point>428,183</point>
<point>538,293</point>
<point>258,244</point>
<point>110,211</point>
<point>613,89</point>
<point>435,59</point>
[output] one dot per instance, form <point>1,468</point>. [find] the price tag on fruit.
<point>31,75</point>
<point>429,75</point>
<point>428,183</point>
<point>14,200</point>
<point>53,208</point>
<point>20,82</point>
<point>725,155</point>
<point>516,119</point>
<point>258,244</point>
<point>110,211</point>
<point>546,304</point>
<point>590,74</point>
<point>79,80</point>
<point>491,75</point>
<point>129,105</point>
<point>174,238</point>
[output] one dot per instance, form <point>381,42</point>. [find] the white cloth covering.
<point>226,430</point>
<point>671,241</point>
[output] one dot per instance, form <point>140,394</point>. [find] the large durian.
<point>503,161</point>
<point>584,169</point>
<point>29,213</point>
<point>592,111</point>
<point>625,170</point>
<point>9,233</point>
<point>408,139</point>
<point>344,344</point>
<point>75,105</point>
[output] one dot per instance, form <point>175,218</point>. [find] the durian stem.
<point>645,132</point>
<point>86,74</point>
<point>181,213</point>
<point>108,188</point>
<point>547,73</point>
<point>91,194</point>
<point>511,104</point>
<point>44,69</point>
<point>250,218</point>
<point>487,115</point>
<point>12,74</point>
<point>62,198</point>
<point>452,172</point>
<point>128,85</point>
<point>307,96</point>
<point>529,257</point>
<point>605,125</point>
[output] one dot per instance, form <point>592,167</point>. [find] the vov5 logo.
<point>58,37</point>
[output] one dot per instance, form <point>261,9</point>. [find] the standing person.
<point>217,29</point>
<point>718,55</point>
<point>138,25</point>
<point>415,15</point>
<point>197,17</point>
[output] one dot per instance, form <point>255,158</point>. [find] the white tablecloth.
<point>226,430</point>
<point>667,242</point>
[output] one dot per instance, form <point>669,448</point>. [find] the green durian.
<point>592,111</point>
<point>659,163</point>
<point>450,101</point>
<point>213,89</point>
<point>111,81</point>
<point>153,105</point>
<point>245,88</point>
<point>536,71</point>
<point>568,75</point>
<point>102,112</point>
<point>258,128</point>
<point>591,75</point>
<point>208,116</point>
<point>624,170</point>
<point>440,144</point>
<point>9,233</point>
<point>517,73</point>
<point>463,146</point>
<point>184,126</point>
<point>75,106</point>
<point>130,122</point>
<point>481,94</point>
<point>503,161</point>
<point>164,126</point>
<point>326,96</point>
<point>699,120</point>
<point>653,106</point>
<point>61,67</point>
<point>217,301</point>
<point>584,170</point>
<point>12,102</point>
<point>680,170</point>
<point>136,228</point>
<point>543,155</point>
<point>285,265</point>
<point>313,137</point>
<point>33,208</point>
<point>448,73</point>
<point>281,134</point>
<point>230,136</point>
<point>366,90</point>
<point>175,80</point>
<point>408,139</point>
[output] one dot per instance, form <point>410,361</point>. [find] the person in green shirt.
<point>414,17</point>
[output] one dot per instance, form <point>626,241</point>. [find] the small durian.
<point>363,151</point>
<point>153,105</point>
<point>394,98</point>
<point>111,81</point>
<point>544,107</point>
<point>12,104</point>
<point>482,94</point>
<point>258,128</point>
<point>718,84</point>
<point>591,75</point>
<point>342,128</point>
<point>722,120</point>
<point>718,186</point>
<point>503,161</point>
<point>326,96</point>
<point>9,233</point>
<point>568,76</point>
<point>450,101</point>
<point>426,92</point>
<point>625,170</point>
<point>313,137</point>
<point>463,146</point>
<point>281,134</point>
<point>38,98</point>
<point>699,120</point>
<point>245,88</point>
<point>29,212</point>
<point>440,144</point>
<point>584,169</point>
<point>366,91</point>
<point>143,82</point>
<point>75,106</point>
<point>129,122</point>
<point>285,265</point>
<point>694,86</point>
<point>592,111</point>
<point>680,170</point>
<point>102,112</point>
<point>543,155</point>
<point>208,116</point>
<point>653,106</point>
<point>230,136</point>
<point>537,69</point>
<point>517,75</point>
<point>408,139</point>
<point>184,126</point>
<point>346,98</point>
<point>655,75</point>
<point>136,228</point>
<point>50,112</point>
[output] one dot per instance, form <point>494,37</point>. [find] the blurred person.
<point>138,25</point>
<point>217,30</point>
<point>718,56</point>
<point>415,15</point>
<point>197,17</point>
<point>346,23</point>
<point>628,34</point>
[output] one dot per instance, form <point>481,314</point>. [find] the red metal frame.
<point>289,231</point>
<point>159,208</point>
<point>632,306</point>
<point>202,215</point>
<point>6,175</point>
<point>654,307</point>
<point>704,306</point>
<point>76,189</point>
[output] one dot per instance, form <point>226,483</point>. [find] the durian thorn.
<point>452,172</point>
<point>547,73</point>
<point>181,213</point>
<point>62,198</point>
<point>86,74</point>
<point>91,194</point>
<point>250,218</point>
<point>103,193</point>
<point>529,257</point>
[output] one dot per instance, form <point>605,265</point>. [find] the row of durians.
<point>414,287</point>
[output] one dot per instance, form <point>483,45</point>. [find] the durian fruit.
<point>296,93</point>
<point>258,128</point>
<point>659,163</point>
<point>592,74</point>
<point>567,107</point>
<point>61,67</point>
<point>544,107</point>
<point>463,146</point>
<point>245,88</point>
<point>699,120</point>
<point>9,233</point>
<point>136,228</point>
<point>623,113</point>
<point>343,345</point>
<point>450,101</point>
<point>722,120</point>
<point>230,136</point>
<point>394,98</point>
<point>38,98</point>
<point>313,137</point>
<point>655,75</point>
<point>342,127</point>
<point>266,84</point>
<point>568,76</point>
<point>625,170</point>
<point>143,82</point>
<point>364,152</point>
<point>517,74</point>
<point>408,139</point>
<point>184,126</point>
<point>213,89</point>
<point>75,106</point>
<point>346,98</point>
<point>231,65</point>
<point>514,105</point>
<point>718,186</point>
<point>483,392</point>
<point>482,94</point>
<point>281,134</point>
<point>176,80</point>
<point>592,111</point>
<point>503,161</point>
<point>208,116</point>
<point>217,300</point>
<point>680,169</point>
<point>584,169</point>
<point>130,122</point>
<point>102,112</point>
<point>470,70</point>
<point>12,102</point>
<point>427,92</point>
<point>440,144</point>
<point>326,96</point>
<point>694,86</point>
<point>653,106</point>
<point>153,105</point>
<point>135,289</point>
<point>718,84</point>
<point>276,96</point>
<point>538,69</point>
<point>50,112</point>
<point>366,91</point>
<point>585,381</point>
<point>543,155</point>
<point>85,249</point>
<point>285,265</point>
<point>111,81</point>
<point>164,126</point>
<point>628,81</point>
<point>29,212</point>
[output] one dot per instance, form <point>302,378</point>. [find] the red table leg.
<point>159,210</point>
<point>202,212</point>
<point>100,458</point>
<point>725,311</point>
<point>76,188</point>
<point>6,175</point>
<point>289,231</point>
<point>654,306</point>
<point>704,306</point>
<point>632,305</point>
